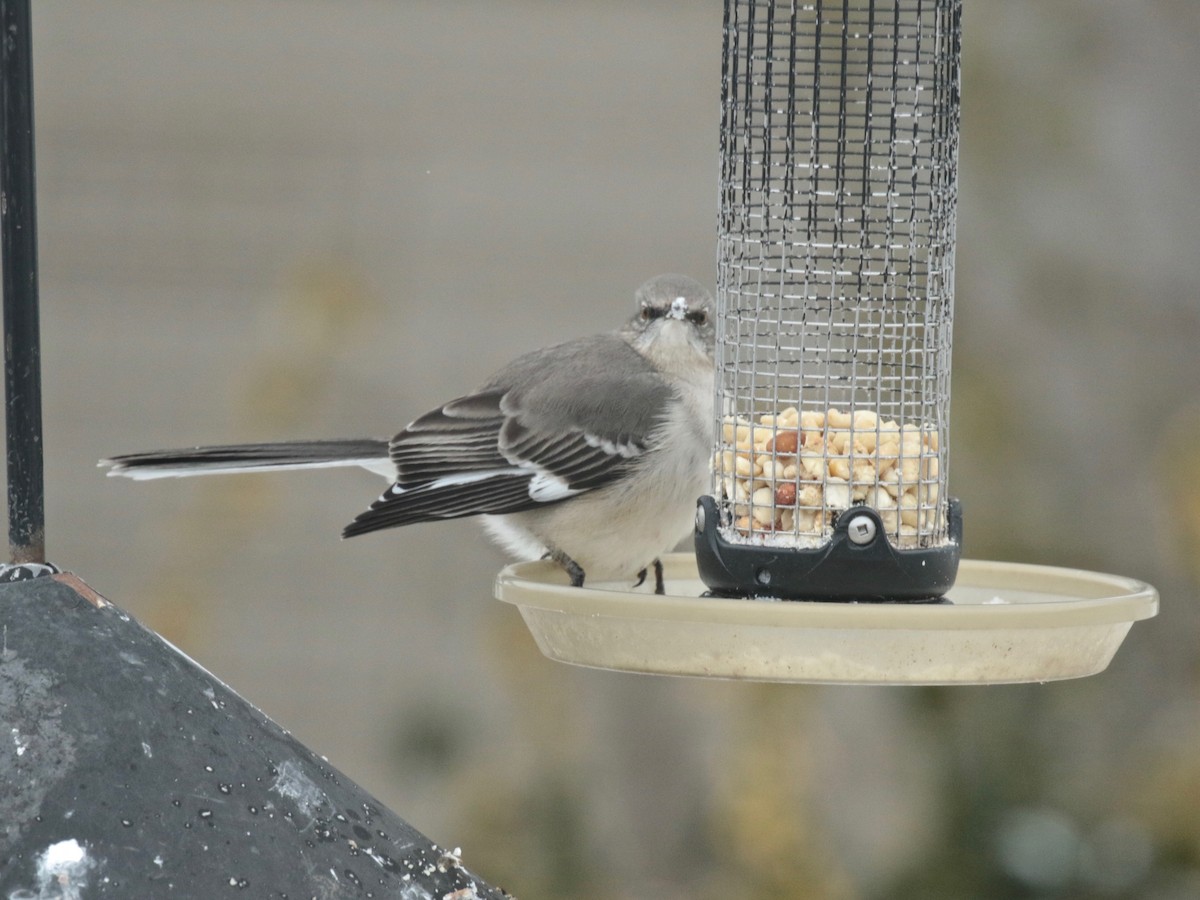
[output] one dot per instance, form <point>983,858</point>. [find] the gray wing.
<point>551,425</point>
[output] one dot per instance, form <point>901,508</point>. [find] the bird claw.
<point>576,574</point>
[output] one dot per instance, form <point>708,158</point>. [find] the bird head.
<point>673,311</point>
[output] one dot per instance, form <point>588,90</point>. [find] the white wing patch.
<point>544,487</point>
<point>628,450</point>
<point>453,480</point>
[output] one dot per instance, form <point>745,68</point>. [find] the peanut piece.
<point>929,468</point>
<point>837,494</point>
<point>864,471</point>
<point>809,494</point>
<point>762,505</point>
<point>839,467</point>
<point>864,420</point>
<point>838,419</point>
<point>812,464</point>
<point>785,442</point>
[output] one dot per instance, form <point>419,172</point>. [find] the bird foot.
<point>659,588</point>
<point>572,568</point>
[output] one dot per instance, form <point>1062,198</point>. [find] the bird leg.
<point>659,588</point>
<point>574,572</point>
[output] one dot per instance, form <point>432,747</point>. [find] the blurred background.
<point>269,219</point>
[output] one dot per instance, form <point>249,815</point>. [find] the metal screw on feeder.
<point>861,530</point>
<point>835,295</point>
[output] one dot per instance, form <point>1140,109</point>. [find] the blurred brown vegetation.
<point>264,220</point>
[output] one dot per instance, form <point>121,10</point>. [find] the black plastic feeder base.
<point>858,564</point>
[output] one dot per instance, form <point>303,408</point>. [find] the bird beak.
<point>678,309</point>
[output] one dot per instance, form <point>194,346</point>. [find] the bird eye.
<point>699,317</point>
<point>648,313</point>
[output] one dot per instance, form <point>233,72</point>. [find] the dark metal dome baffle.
<point>128,771</point>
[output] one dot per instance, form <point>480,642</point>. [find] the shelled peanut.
<point>795,471</point>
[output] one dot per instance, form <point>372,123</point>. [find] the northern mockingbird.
<point>592,452</point>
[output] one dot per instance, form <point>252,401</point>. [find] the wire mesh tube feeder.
<point>835,297</point>
<point>835,300</point>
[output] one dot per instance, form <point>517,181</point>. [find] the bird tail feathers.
<point>367,453</point>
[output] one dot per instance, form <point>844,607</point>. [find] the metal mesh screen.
<point>835,266</point>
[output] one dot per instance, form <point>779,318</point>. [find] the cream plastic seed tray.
<point>1000,623</point>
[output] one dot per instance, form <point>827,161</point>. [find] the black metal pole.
<point>22,353</point>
